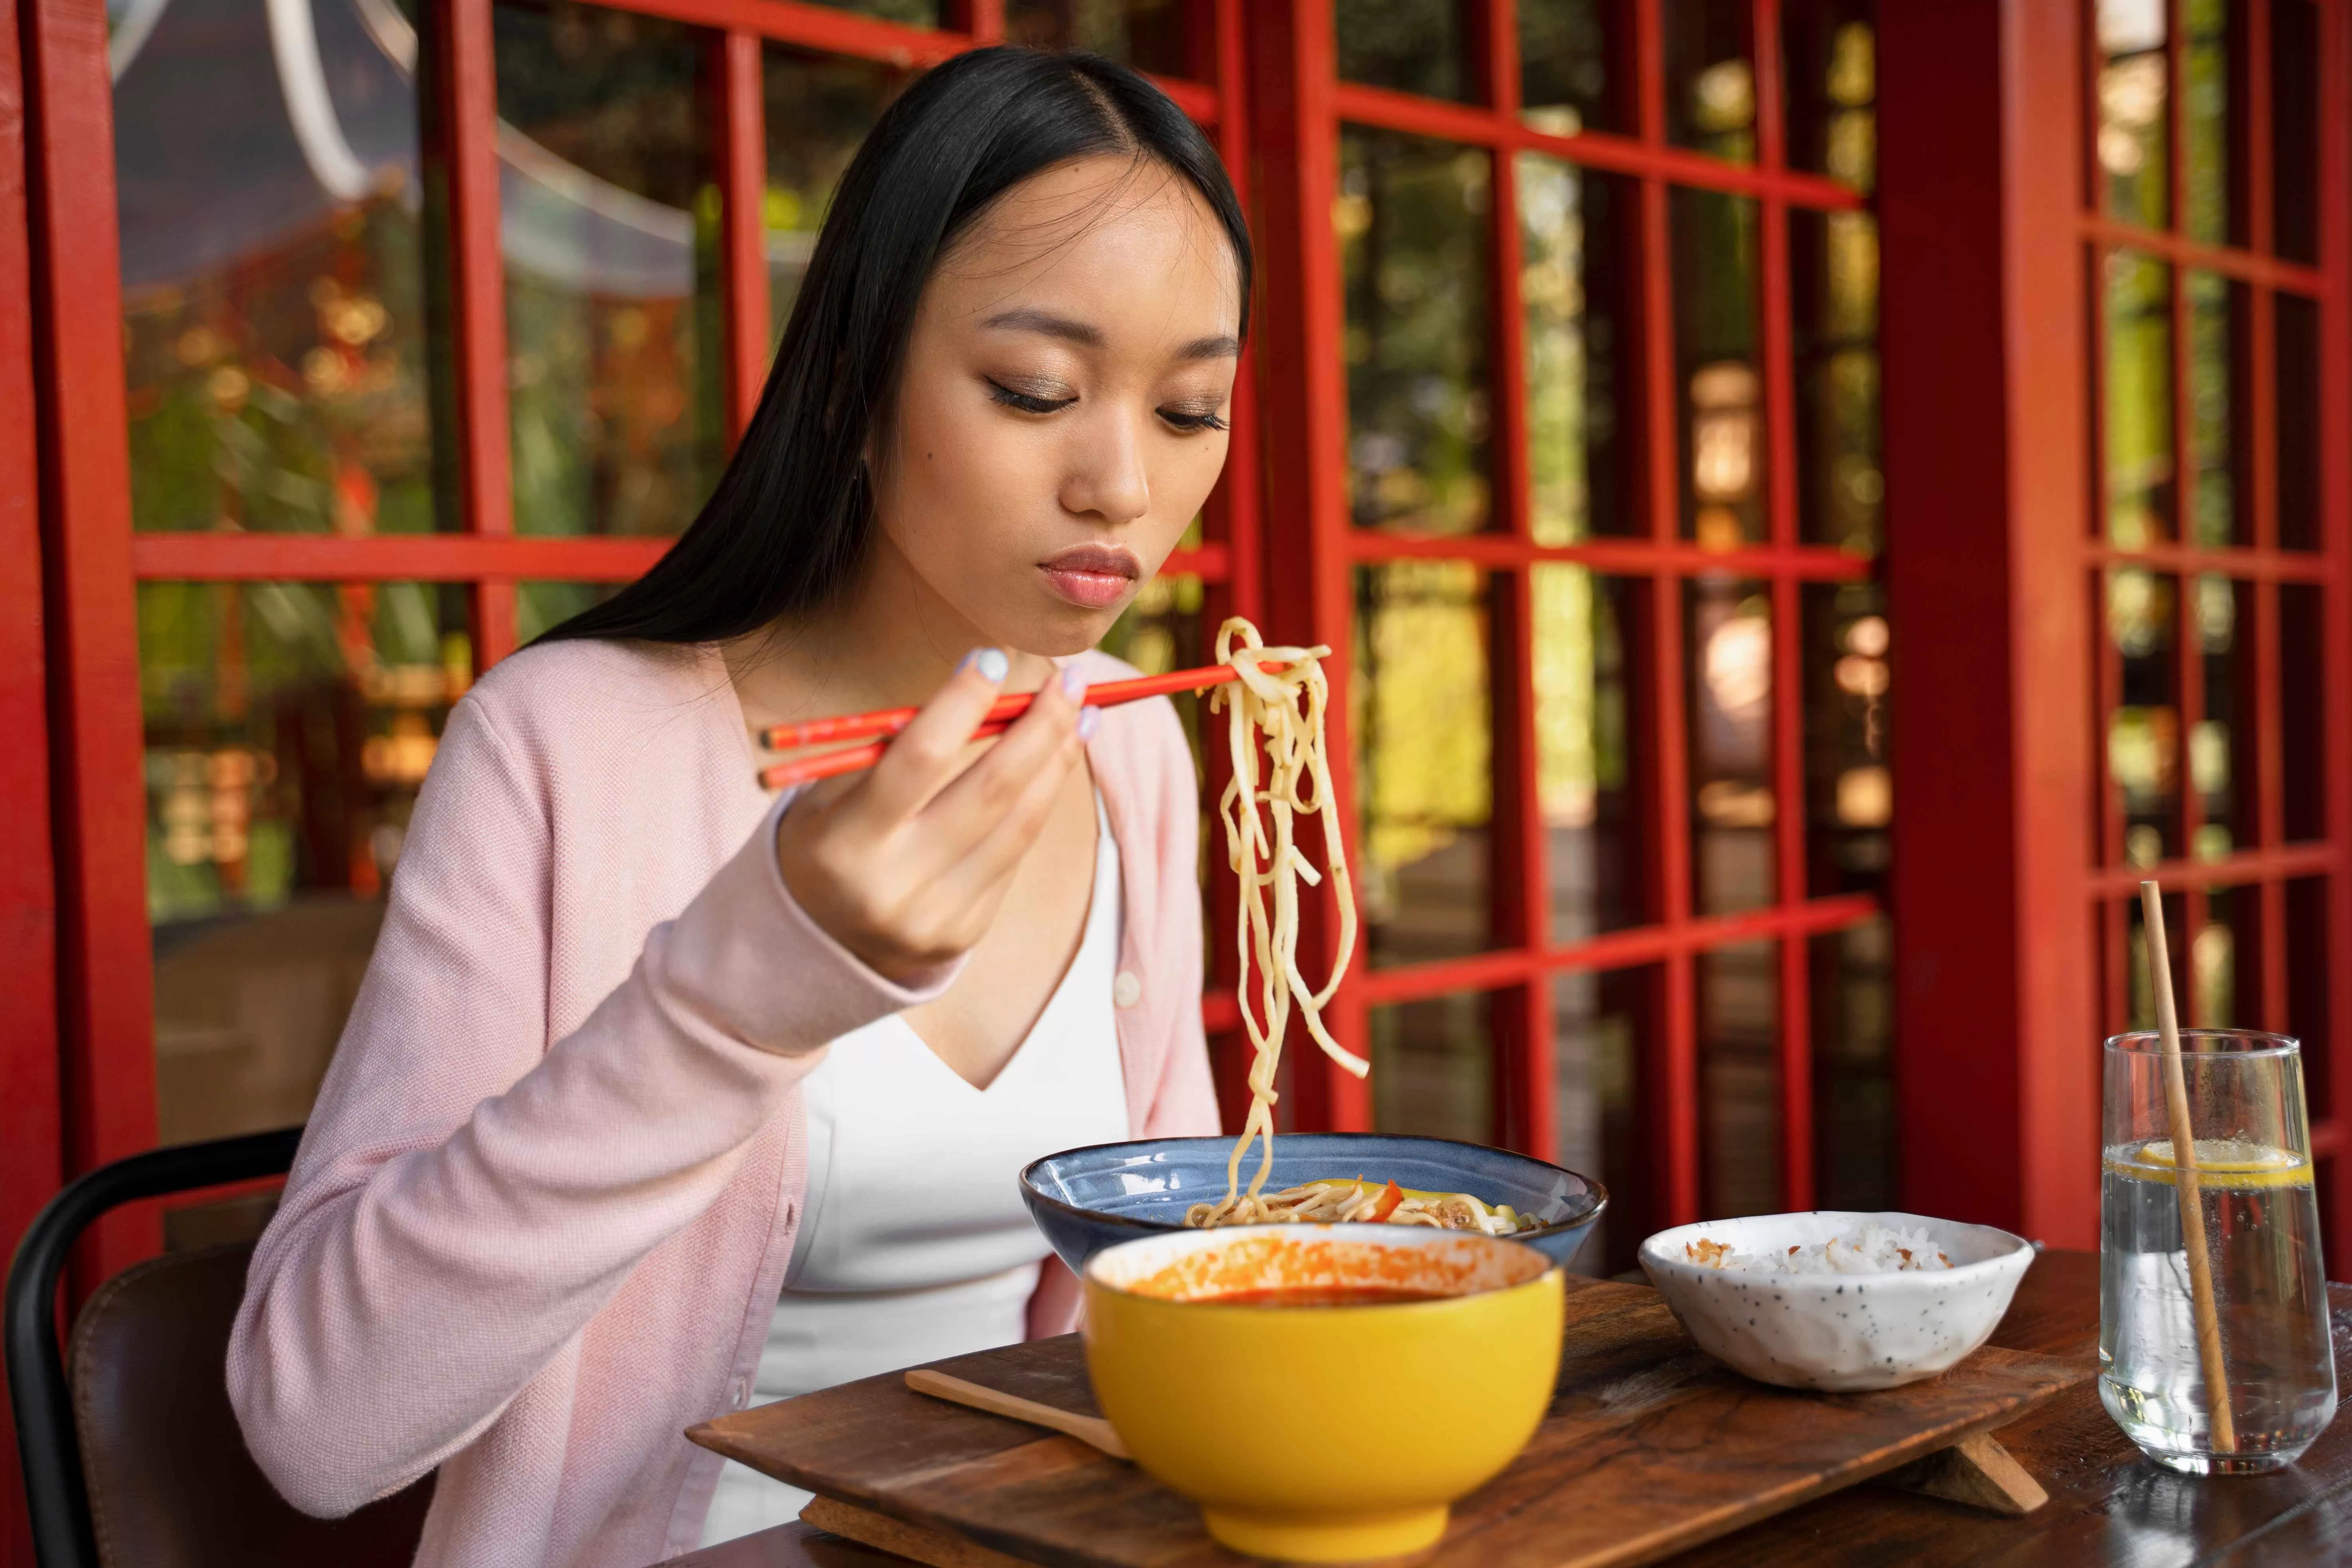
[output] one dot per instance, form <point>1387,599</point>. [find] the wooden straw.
<point>2184,1175</point>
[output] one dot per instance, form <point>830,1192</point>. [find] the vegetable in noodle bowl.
<point>1278,718</point>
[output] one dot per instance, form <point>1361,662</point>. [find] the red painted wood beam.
<point>1986,453</point>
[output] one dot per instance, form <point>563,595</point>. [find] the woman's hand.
<point>906,864</point>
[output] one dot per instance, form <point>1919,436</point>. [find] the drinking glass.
<point>2252,1141</point>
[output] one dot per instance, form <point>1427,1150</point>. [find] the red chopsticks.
<point>888,721</point>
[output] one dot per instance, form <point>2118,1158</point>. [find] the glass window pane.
<point>1589,630</point>
<point>2144,729</point>
<point>1604,1043</point>
<point>906,12</point>
<point>2220,442</point>
<point>1433,1069</point>
<point>819,108</point>
<point>1565,52</point>
<point>275,334</point>
<point>1849,794</point>
<point>1412,45</point>
<point>1853,1067</point>
<point>2140,999</point>
<point>2302,673</point>
<point>2297,406</point>
<point>540,607</point>
<point>2295,129</point>
<point>1841,488</point>
<point>1720,402</point>
<point>288,727</point>
<point>1576,316</point>
<point>1728,656</point>
<point>2138,377</point>
<point>2133,93</point>
<point>2221,743</point>
<point>1832,87</point>
<point>1424,784</point>
<point>2210,33</point>
<point>1150,34</point>
<point>1740,1080</point>
<point>610,222</point>
<point>2225,978</point>
<point>1411,218</point>
<point>1711,78</point>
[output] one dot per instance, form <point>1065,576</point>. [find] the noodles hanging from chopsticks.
<point>1277,721</point>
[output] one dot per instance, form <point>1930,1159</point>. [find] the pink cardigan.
<point>543,1207</point>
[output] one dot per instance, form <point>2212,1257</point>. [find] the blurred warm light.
<point>2143,846</point>
<point>1868,636</point>
<point>1722,431</point>
<point>1728,803</point>
<point>1737,664</point>
<point>1723,96</point>
<point>2208,756</point>
<point>2212,842</point>
<point>1865,798</point>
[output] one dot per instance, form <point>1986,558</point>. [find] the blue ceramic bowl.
<point>1087,1199</point>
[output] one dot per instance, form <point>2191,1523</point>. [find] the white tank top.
<point>914,1243</point>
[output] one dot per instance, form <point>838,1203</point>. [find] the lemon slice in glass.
<point>2227,1162</point>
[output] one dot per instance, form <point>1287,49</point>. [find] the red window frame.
<point>1310,566</point>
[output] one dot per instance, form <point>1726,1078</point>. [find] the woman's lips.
<point>1092,577</point>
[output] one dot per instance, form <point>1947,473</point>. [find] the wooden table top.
<point>2107,1505</point>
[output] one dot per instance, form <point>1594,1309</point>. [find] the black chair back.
<point>132,1453</point>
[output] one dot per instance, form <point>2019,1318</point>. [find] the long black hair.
<point>790,519</point>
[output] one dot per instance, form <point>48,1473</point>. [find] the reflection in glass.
<point>1572,295</point>
<point>1411,220</point>
<point>906,12</point>
<point>1433,1069</point>
<point>540,607</point>
<point>2138,376</point>
<point>1584,625</point>
<point>1411,45</point>
<point>1740,1080</point>
<point>610,227</point>
<point>2133,89</point>
<point>1721,401</point>
<point>1728,658</point>
<point>2144,730</point>
<point>1853,1067</point>
<point>1148,34</point>
<point>1564,53</point>
<point>1834,293</point>
<point>2220,744</point>
<point>1832,87</point>
<point>275,336</point>
<point>1423,758</point>
<point>1710,78</point>
<point>2205,107</point>
<point>1849,794</point>
<point>819,108</point>
<point>2294,132</point>
<point>288,727</point>
<point>1603,1036</point>
<point>2297,412</point>
<point>2302,711</point>
<point>2218,438</point>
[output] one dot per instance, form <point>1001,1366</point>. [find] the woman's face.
<point>1060,415</point>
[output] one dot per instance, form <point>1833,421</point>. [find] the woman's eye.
<point>1189,420</point>
<point>1028,403</point>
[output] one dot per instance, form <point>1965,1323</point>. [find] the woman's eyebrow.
<point>1030,319</point>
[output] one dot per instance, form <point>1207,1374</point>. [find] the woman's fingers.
<point>928,752</point>
<point>972,806</point>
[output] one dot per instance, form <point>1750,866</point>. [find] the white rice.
<point>1876,1250</point>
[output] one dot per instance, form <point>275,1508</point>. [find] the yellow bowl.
<point>1323,1433</point>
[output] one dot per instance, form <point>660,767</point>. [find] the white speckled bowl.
<point>1840,1333</point>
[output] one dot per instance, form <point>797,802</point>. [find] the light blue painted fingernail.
<point>1074,682</point>
<point>991,664</point>
<point>966,661</point>
<point>1089,720</point>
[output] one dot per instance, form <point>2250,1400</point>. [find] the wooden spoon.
<point>1092,1430</point>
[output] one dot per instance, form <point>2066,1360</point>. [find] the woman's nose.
<point>1107,479</point>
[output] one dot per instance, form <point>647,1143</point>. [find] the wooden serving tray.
<point>1650,1446</point>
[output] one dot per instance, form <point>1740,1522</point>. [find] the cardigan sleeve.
<point>468,1194</point>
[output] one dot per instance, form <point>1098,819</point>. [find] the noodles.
<point>1281,716</point>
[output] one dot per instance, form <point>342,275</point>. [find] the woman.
<point>660,1098</point>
